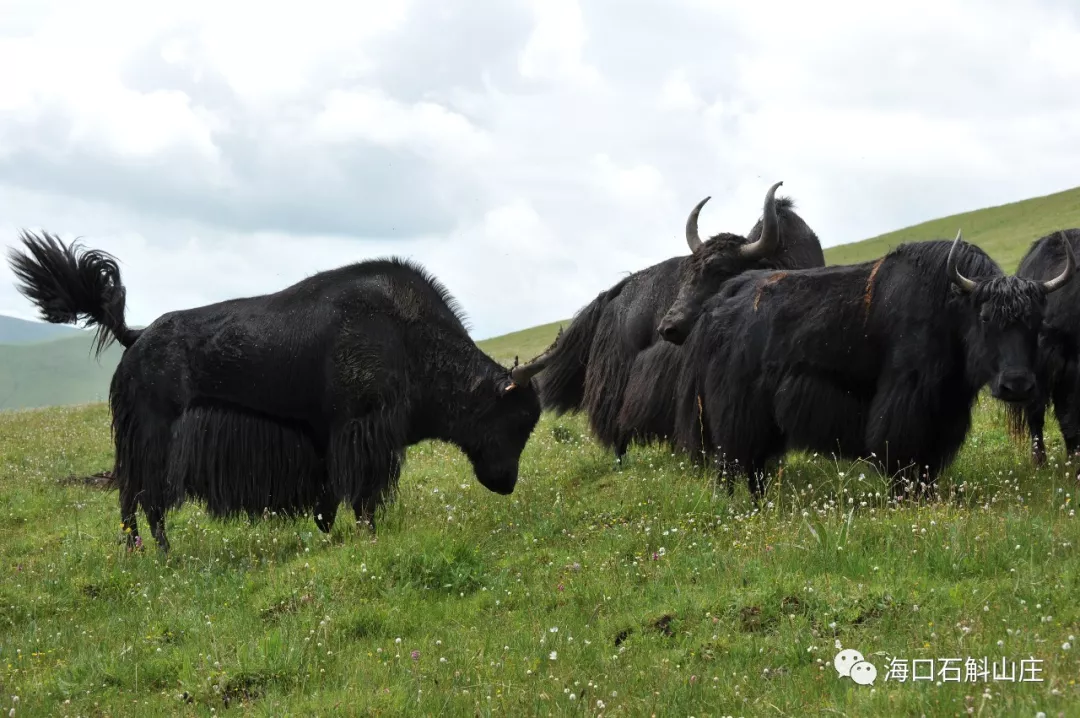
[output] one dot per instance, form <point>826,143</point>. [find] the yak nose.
<point>670,331</point>
<point>1016,385</point>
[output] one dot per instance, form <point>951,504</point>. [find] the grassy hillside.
<point>525,344</point>
<point>61,372</point>
<point>1005,232</point>
<point>21,331</point>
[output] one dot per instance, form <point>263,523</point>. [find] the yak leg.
<point>129,502</point>
<point>900,431</point>
<point>621,447</point>
<point>1035,416</point>
<point>364,509</point>
<point>155,516</point>
<point>365,459</point>
<point>1066,398</point>
<point>142,444</point>
<point>326,507</point>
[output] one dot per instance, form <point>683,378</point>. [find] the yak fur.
<point>881,360</point>
<point>1058,366</point>
<point>609,353</point>
<point>290,402</point>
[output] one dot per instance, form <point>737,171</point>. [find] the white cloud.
<point>529,152</point>
<point>373,116</point>
<point>554,51</point>
<point>678,93</point>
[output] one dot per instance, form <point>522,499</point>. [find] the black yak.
<point>288,402</point>
<point>611,338</point>
<point>880,359</point>
<point>1057,377</point>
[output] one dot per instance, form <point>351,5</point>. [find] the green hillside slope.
<point>1005,232</point>
<point>21,331</point>
<point>52,373</point>
<point>62,371</point>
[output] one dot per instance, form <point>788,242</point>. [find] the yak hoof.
<point>1038,454</point>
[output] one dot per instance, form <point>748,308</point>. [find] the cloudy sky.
<point>528,152</point>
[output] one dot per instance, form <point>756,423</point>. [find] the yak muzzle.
<point>672,331</point>
<point>1014,386</point>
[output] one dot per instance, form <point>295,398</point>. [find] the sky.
<point>529,153</point>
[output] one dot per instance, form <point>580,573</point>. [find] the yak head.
<point>1005,314</point>
<point>713,262</point>
<point>507,409</point>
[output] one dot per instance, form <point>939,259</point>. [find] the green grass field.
<point>589,591</point>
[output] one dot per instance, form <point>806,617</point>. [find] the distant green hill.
<point>1005,231</point>
<point>21,331</point>
<point>63,371</point>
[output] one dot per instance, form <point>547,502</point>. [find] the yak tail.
<point>72,283</point>
<point>562,382</point>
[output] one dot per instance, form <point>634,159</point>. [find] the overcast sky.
<point>529,153</point>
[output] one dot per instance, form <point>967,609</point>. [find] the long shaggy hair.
<point>806,360</point>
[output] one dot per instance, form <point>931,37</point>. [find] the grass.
<point>588,591</point>
<point>1005,232</point>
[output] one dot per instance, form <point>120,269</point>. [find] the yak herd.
<point>745,349</point>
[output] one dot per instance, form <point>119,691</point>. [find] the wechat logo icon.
<point>849,663</point>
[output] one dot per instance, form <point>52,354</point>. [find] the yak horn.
<point>692,237</point>
<point>960,280</point>
<point>1058,282</point>
<point>770,229</point>
<point>522,374</point>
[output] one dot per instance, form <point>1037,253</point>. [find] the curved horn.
<point>1058,282</point>
<point>522,374</point>
<point>960,280</point>
<point>770,229</point>
<point>692,237</point>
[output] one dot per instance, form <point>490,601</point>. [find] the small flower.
<point>415,655</point>
<point>1066,646</point>
<point>553,655</point>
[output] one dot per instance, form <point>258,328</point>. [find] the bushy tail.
<point>69,284</point>
<point>562,383</point>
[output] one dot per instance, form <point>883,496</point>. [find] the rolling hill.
<point>21,331</point>
<point>63,371</point>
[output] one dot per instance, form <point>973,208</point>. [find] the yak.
<point>1058,365</point>
<point>289,402</point>
<point>610,340</point>
<point>881,360</point>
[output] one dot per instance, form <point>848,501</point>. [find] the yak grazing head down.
<point>714,262</point>
<point>507,418</point>
<point>1006,313</point>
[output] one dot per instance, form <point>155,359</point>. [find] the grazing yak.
<point>1057,377</point>
<point>880,359</point>
<point>610,342</point>
<point>290,402</point>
